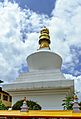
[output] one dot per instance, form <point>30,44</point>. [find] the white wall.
<point>45,101</point>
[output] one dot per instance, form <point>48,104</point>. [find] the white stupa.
<point>44,83</point>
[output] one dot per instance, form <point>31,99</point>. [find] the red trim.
<point>46,117</point>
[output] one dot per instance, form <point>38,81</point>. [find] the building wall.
<point>48,101</point>
<point>6,99</point>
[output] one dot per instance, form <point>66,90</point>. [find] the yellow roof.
<point>41,113</point>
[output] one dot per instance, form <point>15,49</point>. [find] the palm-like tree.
<point>68,103</point>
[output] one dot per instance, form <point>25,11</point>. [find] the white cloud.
<point>15,24</point>
<point>65,29</point>
<point>77,82</point>
<point>11,47</point>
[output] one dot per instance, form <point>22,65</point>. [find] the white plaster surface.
<point>40,75</point>
<point>44,60</point>
<point>44,83</point>
<point>49,94</point>
<point>47,101</point>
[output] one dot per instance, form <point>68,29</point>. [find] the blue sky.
<point>20,23</point>
<point>39,6</point>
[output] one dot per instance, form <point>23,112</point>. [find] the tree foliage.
<point>2,106</point>
<point>68,103</point>
<point>32,105</point>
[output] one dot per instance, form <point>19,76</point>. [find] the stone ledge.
<point>39,85</point>
<point>44,75</point>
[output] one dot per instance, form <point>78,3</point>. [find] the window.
<point>5,97</point>
<point>0,96</point>
<point>10,99</point>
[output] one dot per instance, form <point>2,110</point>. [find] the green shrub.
<point>68,103</point>
<point>2,106</point>
<point>32,105</point>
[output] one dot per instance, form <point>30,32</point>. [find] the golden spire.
<point>44,38</point>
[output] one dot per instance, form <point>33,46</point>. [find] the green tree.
<point>32,105</point>
<point>67,103</point>
<point>2,106</point>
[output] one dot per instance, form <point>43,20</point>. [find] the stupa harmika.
<point>44,83</point>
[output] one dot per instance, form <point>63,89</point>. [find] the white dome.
<point>44,60</point>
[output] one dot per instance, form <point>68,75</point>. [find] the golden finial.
<point>25,99</point>
<point>44,38</point>
<point>75,97</point>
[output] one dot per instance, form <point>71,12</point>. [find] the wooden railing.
<point>42,114</point>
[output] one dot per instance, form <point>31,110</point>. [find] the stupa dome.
<point>44,58</point>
